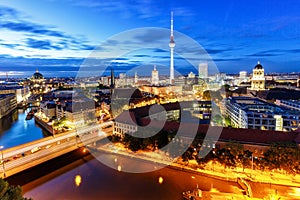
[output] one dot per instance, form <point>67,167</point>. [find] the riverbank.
<point>51,170</point>
<point>44,125</point>
<point>212,170</point>
<point>258,184</point>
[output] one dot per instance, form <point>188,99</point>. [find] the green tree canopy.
<point>8,192</point>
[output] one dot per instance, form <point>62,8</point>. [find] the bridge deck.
<point>17,159</point>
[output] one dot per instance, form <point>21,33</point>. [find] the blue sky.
<point>58,35</point>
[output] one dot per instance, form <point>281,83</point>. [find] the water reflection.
<point>101,182</point>
<point>16,130</point>
<point>77,180</point>
<point>7,122</point>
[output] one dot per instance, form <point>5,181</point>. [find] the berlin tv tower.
<point>172,45</point>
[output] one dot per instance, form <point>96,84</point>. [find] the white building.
<point>155,76</point>
<point>253,113</point>
<point>203,70</point>
<point>243,77</point>
<point>125,124</point>
<point>258,78</point>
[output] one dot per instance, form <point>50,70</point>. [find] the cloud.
<point>124,8</point>
<point>143,9</point>
<point>11,46</point>
<point>33,62</point>
<point>274,52</point>
<point>43,37</point>
<point>293,51</point>
<point>86,47</point>
<point>6,11</point>
<point>121,59</point>
<point>159,51</point>
<point>263,54</point>
<point>24,26</point>
<point>40,44</point>
<point>142,56</point>
<point>217,51</point>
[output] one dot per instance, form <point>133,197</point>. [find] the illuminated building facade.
<point>155,77</point>
<point>253,113</point>
<point>292,104</point>
<point>258,78</point>
<point>8,102</point>
<point>37,83</point>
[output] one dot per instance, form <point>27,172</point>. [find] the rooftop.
<point>257,105</point>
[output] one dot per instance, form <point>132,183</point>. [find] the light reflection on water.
<point>101,182</point>
<point>15,130</point>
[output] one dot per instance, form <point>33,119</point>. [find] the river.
<point>97,181</point>
<point>101,182</point>
<point>15,130</point>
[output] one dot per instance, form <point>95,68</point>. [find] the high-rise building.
<point>136,78</point>
<point>155,76</point>
<point>122,81</point>
<point>172,45</point>
<point>258,78</point>
<point>242,77</point>
<point>112,78</point>
<point>203,70</point>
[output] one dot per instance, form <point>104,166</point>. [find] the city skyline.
<point>57,36</point>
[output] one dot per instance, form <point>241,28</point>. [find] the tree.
<point>206,95</point>
<point>236,150</point>
<point>8,192</point>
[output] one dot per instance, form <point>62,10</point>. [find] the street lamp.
<point>76,133</point>
<point>1,148</point>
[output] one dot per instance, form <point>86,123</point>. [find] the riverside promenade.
<point>252,177</point>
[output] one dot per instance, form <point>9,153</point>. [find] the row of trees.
<point>157,141</point>
<point>280,156</point>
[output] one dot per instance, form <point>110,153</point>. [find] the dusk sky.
<point>56,36</point>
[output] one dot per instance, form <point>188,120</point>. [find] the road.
<point>20,158</point>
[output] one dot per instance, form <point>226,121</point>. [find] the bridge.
<point>25,156</point>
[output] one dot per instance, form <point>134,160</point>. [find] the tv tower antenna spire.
<point>172,45</point>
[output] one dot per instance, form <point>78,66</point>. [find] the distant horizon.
<point>73,74</point>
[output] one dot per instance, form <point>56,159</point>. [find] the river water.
<point>101,182</point>
<point>97,181</point>
<point>15,130</point>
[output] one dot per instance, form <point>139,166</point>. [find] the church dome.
<point>37,75</point>
<point>258,66</point>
